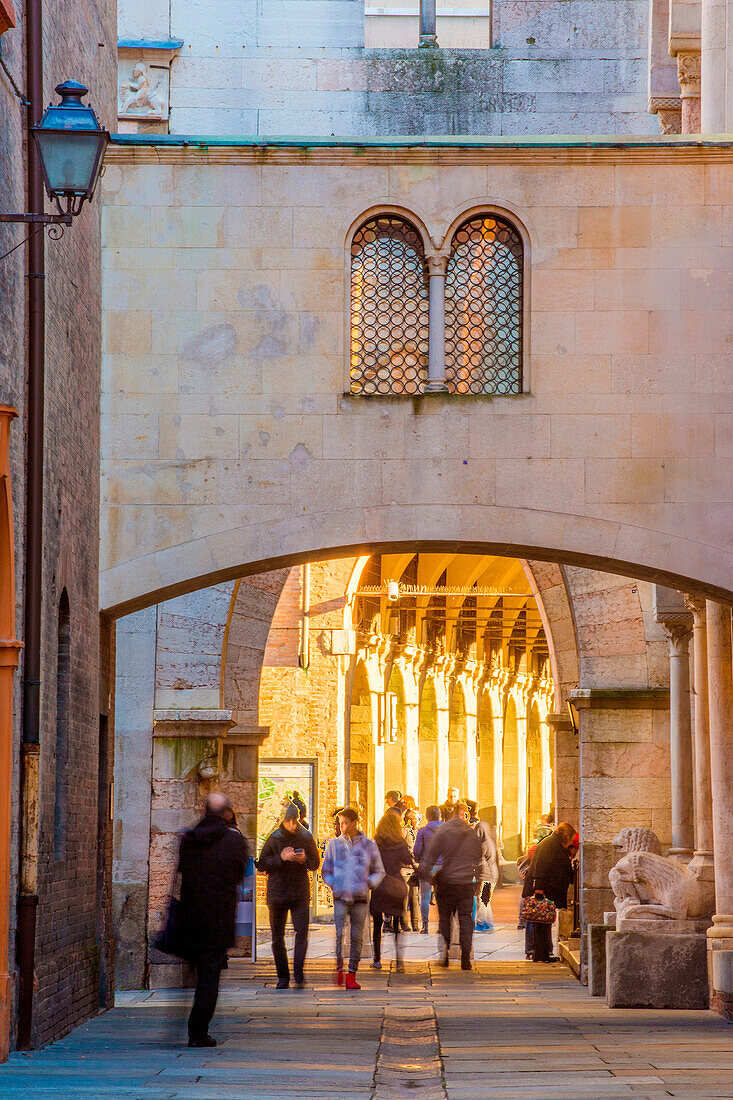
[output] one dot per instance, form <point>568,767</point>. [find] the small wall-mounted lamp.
<point>574,715</point>
<point>71,146</point>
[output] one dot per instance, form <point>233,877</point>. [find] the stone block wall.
<point>624,723</point>
<point>300,67</point>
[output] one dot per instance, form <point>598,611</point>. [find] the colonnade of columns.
<point>702,769</point>
<point>441,720</point>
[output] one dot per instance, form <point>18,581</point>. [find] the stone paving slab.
<point>505,1031</point>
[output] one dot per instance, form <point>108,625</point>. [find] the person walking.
<point>483,917</point>
<point>457,845</point>
<point>448,808</point>
<point>551,873</point>
<point>392,798</point>
<point>410,831</point>
<point>422,843</point>
<point>388,898</point>
<point>212,861</point>
<point>351,866</point>
<point>287,856</point>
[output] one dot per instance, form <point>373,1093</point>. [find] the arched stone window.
<point>389,307</point>
<point>483,307</point>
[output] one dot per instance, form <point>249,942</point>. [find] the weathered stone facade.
<point>304,68</point>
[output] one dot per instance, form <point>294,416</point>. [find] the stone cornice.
<point>190,722</point>
<point>620,698</point>
<point>181,150</point>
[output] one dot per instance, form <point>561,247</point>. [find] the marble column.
<point>720,696</point>
<point>437,266</point>
<point>713,75</point>
<point>428,32</point>
<point>703,797</point>
<point>680,739</point>
<point>688,74</point>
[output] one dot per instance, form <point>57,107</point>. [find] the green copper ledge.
<point>549,141</point>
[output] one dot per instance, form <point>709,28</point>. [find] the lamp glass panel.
<point>69,159</point>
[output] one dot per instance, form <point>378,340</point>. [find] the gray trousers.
<point>356,911</point>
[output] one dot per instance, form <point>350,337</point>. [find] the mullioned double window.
<point>449,321</point>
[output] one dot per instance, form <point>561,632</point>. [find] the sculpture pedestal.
<point>668,927</point>
<point>653,969</point>
<point>596,934</point>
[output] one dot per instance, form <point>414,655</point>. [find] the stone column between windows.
<point>437,266</point>
<point>688,74</point>
<point>680,736</point>
<point>428,28</point>
<point>720,697</point>
<point>703,858</point>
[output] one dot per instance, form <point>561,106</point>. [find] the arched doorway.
<point>511,819</point>
<point>534,770</point>
<point>486,755</point>
<point>428,745</point>
<point>394,731</point>
<point>457,747</point>
<point>361,771</point>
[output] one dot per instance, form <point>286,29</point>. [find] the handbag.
<point>172,940</point>
<point>537,909</point>
<point>394,887</point>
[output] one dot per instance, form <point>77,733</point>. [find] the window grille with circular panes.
<point>389,308</point>
<point>483,307</point>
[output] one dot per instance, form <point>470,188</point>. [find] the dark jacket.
<point>212,861</point>
<point>423,840</point>
<point>394,858</point>
<point>551,871</point>
<point>461,851</point>
<point>288,881</point>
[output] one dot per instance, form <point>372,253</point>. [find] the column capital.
<point>678,629</point>
<point>688,73</point>
<point>437,262</point>
<point>698,606</point>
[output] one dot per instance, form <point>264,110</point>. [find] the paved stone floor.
<point>508,1029</point>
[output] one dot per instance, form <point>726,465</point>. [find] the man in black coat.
<point>212,863</point>
<point>287,856</point>
<point>551,871</point>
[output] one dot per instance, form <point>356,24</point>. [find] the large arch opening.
<point>449,680</point>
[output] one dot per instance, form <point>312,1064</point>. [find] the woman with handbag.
<point>388,899</point>
<point>550,874</point>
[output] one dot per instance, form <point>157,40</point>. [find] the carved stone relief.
<point>143,90</point>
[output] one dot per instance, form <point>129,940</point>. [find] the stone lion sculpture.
<point>650,886</point>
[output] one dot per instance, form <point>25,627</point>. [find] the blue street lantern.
<point>71,145</point>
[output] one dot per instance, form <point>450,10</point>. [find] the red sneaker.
<point>339,977</point>
<point>351,982</point>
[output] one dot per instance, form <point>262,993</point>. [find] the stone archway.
<point>485,744</point>
<point>458,742</point>
<point>428,772</point>
<point>512,809</point>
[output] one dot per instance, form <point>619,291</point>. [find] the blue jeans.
<point>426,889</point>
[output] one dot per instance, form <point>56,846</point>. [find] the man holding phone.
<point>287,856</point>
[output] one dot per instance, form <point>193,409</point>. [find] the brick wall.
<point>79,42</point>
